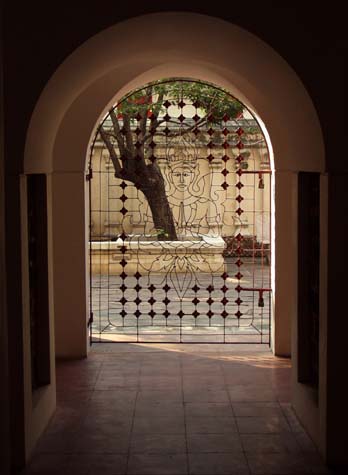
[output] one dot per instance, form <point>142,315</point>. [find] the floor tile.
<point>159,425</point>
<point>160,370</point>
<point>109,408</point>
<point>270,443</point>
<point>241,377</point>
<point>210,425</point>
<point>56,443</point>
<point>92,464</point>
<point>245,393</point>
<point>291,417</point>
<point>207,409</point>
<point>148,395</point>
<point>71,398</point>
<point>305,442</point>
<point>157,464</point>
<point>116,382</point>
<point>280,464</point>
<point>202,386</point>
<point>159,408</point>
<point>79,385</point>
<point>43,464</point>
<point>117,395</point>
<point>106,426</point>
<point>218,464</point>
<point>214,443</point>
<point>97,443</point>
<point>209,395</point>
<point>160,383</point>
<point>257,409</point>
<point>67,424</point>
<point>158,443</point>
<point>262,425</point>
<point>208,379</point>
<point>283,394</point>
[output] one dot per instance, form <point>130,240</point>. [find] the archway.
<point>117,60</point>
<point>180,206</point>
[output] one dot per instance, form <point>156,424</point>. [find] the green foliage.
<point>212,101</point>
<point>160,233</point>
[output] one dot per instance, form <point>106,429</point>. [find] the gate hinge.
<point>89,175</point>
<point>90,320</point>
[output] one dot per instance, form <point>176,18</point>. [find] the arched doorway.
<point>180,207</point>
<point>94,77</point>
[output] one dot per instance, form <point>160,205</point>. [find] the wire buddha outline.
<point>196,219</point>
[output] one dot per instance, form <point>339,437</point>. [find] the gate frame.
<point>91,174</point>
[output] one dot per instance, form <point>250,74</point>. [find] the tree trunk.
<point>162,214</point>
<point>146,177</point>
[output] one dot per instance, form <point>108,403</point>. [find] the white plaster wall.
<point>118,60</point>
<point>284,295</point>
<point>69,251</point>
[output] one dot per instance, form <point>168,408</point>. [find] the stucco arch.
<point>144,48</point>
<point>126,56</point>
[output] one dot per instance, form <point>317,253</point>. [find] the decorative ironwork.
<point>180,185</point>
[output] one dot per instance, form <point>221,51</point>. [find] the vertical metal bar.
<point>180,319</point>
<point>254,237</point>
<point>108,237</point>
<point>137,320</point>
<point>100,254</point>
<point>90,251</point>
<point>224,330</point>
<point>262,262</point>
<point>270,252</point>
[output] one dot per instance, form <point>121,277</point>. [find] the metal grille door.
<point>180,187</point>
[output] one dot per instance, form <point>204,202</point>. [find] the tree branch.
<point>117,132</point>
<point>128,132</point>
<point>153,125</point>
<point>154,118</point>
<point>106,139</point>
<point>159,104</point>
<point>142,123</point>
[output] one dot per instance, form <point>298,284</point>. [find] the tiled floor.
<point>175,409</point>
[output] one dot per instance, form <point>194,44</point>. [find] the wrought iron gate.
<point>180,187</point>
